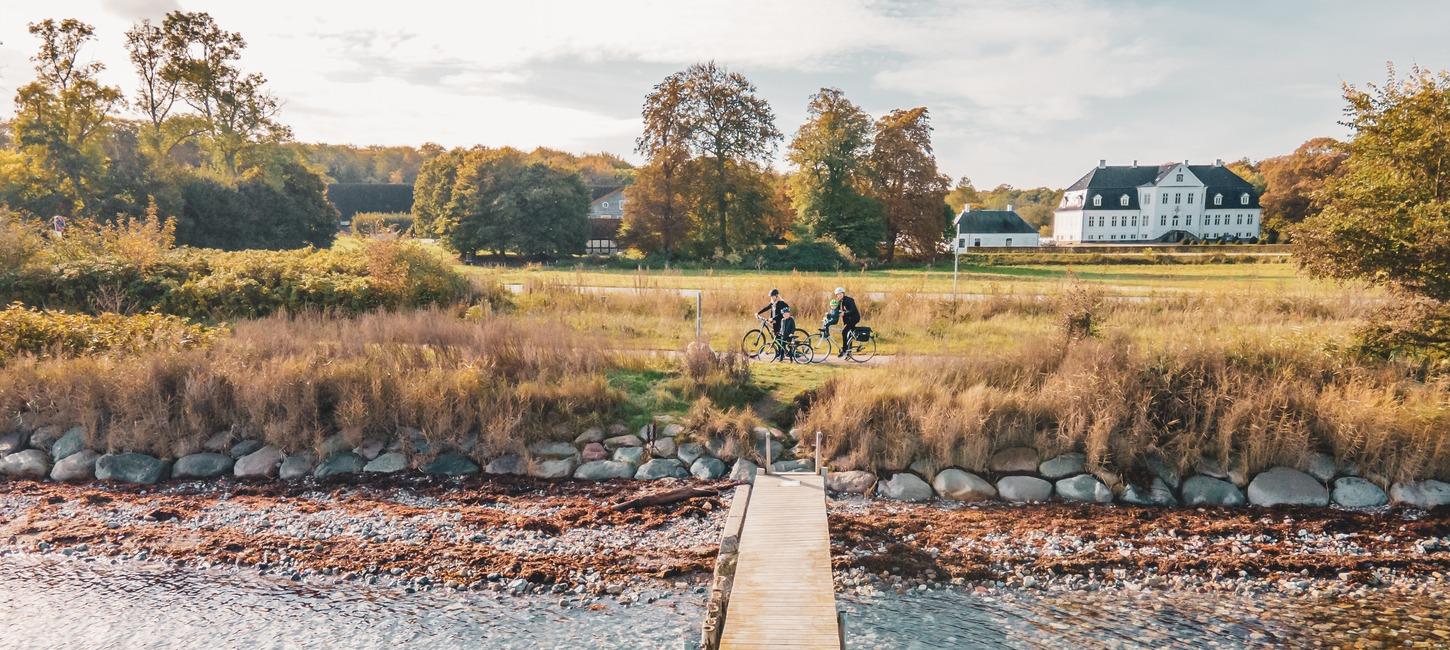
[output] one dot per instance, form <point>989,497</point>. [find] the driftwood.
<point>665,498</point>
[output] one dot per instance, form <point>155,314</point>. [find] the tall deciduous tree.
<point>654,217</point>
<point>1386,214</point>
<point>732,128</point>
<point>501,202</point>
<point>62,115</point>
<point>906,182</point>
<point>828,187</point>
<point>1292,181</point>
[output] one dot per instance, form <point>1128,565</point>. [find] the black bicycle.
<point>761,340</point>
<point>860,344</point>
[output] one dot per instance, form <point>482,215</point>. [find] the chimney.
<point>1135,162</point>
<point>1102,163</point>
<point>1009,207</point>
<point>1217,162</point>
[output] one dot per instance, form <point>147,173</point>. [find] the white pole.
<point>699,314</point>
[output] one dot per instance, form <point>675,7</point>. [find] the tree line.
<point>201,140</point>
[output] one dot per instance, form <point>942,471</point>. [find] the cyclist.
<point>783,333</point>
<point>850,317</point>
<point>776,306</point>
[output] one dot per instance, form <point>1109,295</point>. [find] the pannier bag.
<point>863,333</point>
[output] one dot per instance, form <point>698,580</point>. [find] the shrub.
<point>31,331</point>
<point>375,223</point>
<point>804,255</point>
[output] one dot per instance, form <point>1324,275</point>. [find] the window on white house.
<point>1177,199</point>
<point>1218,199</point>
<point>1241,220</point>
<point>1175,220</point>
<point>976,243</point>
<point>1180,178</point>
<point>1249,220</point>
<point>1123,201</point>
<point>962,242</point>
<point>1163,221</point>
<point>1244,198</point>
<point>1165,198</point>
<point>1190,199</point>
<point>1115,222</point>
<point>605,205</point>
<point>1009,242</point>
<point>1188,220</point>
<point>1097,200</point>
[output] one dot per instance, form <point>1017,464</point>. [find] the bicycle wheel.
<point>754,344</point>
<point>862,351</point>
<point>801,351</point>
<point>822,347</point>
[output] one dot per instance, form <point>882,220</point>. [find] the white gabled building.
<point>993,229</point>
<point>1171,203</point>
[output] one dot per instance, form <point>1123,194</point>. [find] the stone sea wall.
<point>666,450</point>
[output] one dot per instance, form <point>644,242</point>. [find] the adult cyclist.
<point>775,307</point>
<point>850,317</point>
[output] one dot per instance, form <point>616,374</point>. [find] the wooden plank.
<point>783,595</point>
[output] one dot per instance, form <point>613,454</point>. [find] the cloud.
<point>140,8</point>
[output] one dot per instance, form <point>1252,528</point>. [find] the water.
<point>68,603</point>
<point>65,604</point>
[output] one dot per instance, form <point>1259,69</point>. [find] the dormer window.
<point>1218,199</point>
<point>1098,200</point>
<point>1180,178</point>
<point>1123,201</point>
<point>1244,198</point>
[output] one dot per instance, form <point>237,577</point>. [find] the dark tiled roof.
<point>993,222</point>
<point>596,193</point>
<point>1115,180</point>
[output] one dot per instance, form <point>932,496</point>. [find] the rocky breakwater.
<point>1023,475</point>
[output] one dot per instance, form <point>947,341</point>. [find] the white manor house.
<point>1170,203</point>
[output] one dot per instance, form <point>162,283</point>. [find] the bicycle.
<point>758,341</point>
<point>860,345</point>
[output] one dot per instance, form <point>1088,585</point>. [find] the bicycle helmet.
<point>840,290</point>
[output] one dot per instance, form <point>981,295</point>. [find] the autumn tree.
<point>1292,181</point>
<point>655,220</point>
<point>61,117</point>
<point>732,128</point>
<point>500,201</point>
<point>830,154</point>
<point>904,178</point>
<point>1385,213</point>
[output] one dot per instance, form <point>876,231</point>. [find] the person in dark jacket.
<point>776,306</point>
<point>785,331</point>
<point>850,317</point>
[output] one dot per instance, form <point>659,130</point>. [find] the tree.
<point>62,115</point>
<point>906,182</point>
<point>654,218</point>
<point>828,188</point>
<point>1292,181</point>
<point>962,195</point>
<point>549,211</point>
<point>732,128</point>
<point>433,191</point>
<point>501,202</point>
<point>1385,213</point>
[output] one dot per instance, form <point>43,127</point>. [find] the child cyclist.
<point>787,330</point>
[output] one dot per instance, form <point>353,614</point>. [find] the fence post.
<point>819,468</point>
<point>699,314</point>
<point>766,440</point>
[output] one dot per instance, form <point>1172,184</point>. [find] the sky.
<point>1027,93</point>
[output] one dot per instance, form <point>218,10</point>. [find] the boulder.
<point>1423,494</point>
<point>604,470</point>
<point>245,447</point>
<point>389,463</point>
<point>623,441</point>
<point>631,455</point>
<point>592,434</point>
<point>1355,492</point>
<point>707,468</point>
<point>663,448</point>
<point>850,482</point>
<point>594,451</point>
<point>1014,459</point>
<point>617,429</point>
<point>13,442</point>
<point>1084,487</point>
<point>72,441</point>
<point>45,437</point>
<point>1156,493</point>
<point>689,452</point>
<point>721,449</point>
<point>31,463</point>
<point>1321,466</point>
<point>802,465</point>
<point>961,485</point>
<point>218,443</point>
<point>296,466</point>
<point>338,464</point>
<point>661,468</point>
<point>511,464</point>
<point>904,486</point>
<point>371,448</point>
<point>1069,464</point>
<point>777,450</point>
<point>1285,486</point>
<point>1024,488</point>
<point>552,468</point>
<point>206,464</point>
<point>262,463</point>
<point>451,463</point>
<point>77,467</point>
<point>414,442</point>
<point>552,450</point>
<point>1163,469</point>
<point>923,468</point>
<point>334,444</point>
<point>131,467</point>
<point>671,430</point>
<point>1211,468</point>
<point>1200,490</point>
<point>744,470</point>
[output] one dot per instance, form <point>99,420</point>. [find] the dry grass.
<point>492,385</point>
<point>1245,403</point>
